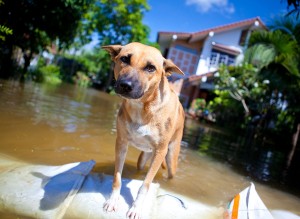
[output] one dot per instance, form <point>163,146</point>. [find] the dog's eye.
<point>125,59</point>
<point>150,68</point>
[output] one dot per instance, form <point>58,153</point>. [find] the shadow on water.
<point>253,158</point>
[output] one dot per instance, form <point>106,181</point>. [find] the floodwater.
<point>50,125</point>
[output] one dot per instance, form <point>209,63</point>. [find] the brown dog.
<point>151,117</point>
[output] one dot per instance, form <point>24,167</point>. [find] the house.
<point>199,54</point>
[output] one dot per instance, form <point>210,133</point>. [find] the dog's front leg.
<point>135,211</point>
<point>120,154</point>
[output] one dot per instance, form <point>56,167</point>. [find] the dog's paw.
<point>134,212</point>
<point>111,204</point>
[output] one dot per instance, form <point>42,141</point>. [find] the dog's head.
<point>138,68</point>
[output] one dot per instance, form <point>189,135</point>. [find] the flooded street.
<point>49,125</point>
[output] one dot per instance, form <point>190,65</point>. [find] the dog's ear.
<point>113,50</point>
<point>171,68</point>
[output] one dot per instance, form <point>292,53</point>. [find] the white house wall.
<point>203,64</point>
<point>230,38</point>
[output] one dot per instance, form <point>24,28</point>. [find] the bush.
<point>51,74</point>
<point>47,74</point>
<point>82,79</point>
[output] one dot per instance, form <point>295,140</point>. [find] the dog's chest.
<point>143,130</point>
<point>142,136</point>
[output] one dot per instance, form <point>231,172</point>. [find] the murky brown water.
<point>56,125</point>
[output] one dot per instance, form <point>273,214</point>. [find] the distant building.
<point>199,54</point>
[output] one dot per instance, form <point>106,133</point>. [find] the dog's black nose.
<point>125,86</point>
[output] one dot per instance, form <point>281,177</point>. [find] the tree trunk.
<point>294,144</point>
<point>6,63</point>
<point>27,58</point>
<point>110,78</point>
<point>245,106</point>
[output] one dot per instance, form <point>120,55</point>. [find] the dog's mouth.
<point>128,89</point>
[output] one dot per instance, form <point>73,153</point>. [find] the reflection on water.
<point>57,125</point>
<point>41,118</point>
<point>261,162</point>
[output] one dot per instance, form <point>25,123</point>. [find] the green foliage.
<point>38,23</point>
<point>199,104</point>
<point>82,79</point>
<point>285,120</point>
<point>96,62</point>
<point>96,65</point>
<point>50,74</point>
<point>287,25</point>
<point>266,83</point>
<point>113,22</point>
<point>57,19</point>
<point>197,107</point>
<point>45,73</point>
<point>228,111</point>
<point>240,83</point>
<point>222,99</point>
<point>116,21</point>
<point>6,31</point>
<point>3,29</point>
<point>283,69</point>
<point>230,91</point>
<point>274,47</point>
<point>295,4</point>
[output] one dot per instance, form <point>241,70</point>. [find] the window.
<point>243,37</point>
<point>218,57</point>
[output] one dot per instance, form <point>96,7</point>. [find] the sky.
<point>196,15</point>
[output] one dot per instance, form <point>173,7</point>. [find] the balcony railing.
<point>217,58</point>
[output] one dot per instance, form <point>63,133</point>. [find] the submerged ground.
<point>43,124</point>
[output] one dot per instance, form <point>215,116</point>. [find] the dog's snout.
<point>126,86</point>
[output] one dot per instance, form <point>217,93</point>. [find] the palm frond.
<point>260,55</point>
<point>273,47</point>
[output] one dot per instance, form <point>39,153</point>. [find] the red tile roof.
<point>227,49</point>
<point>193,78</point>
<point>203,33</point>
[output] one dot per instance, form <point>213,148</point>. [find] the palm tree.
<point>296,7</point>
<point>275,53</point>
